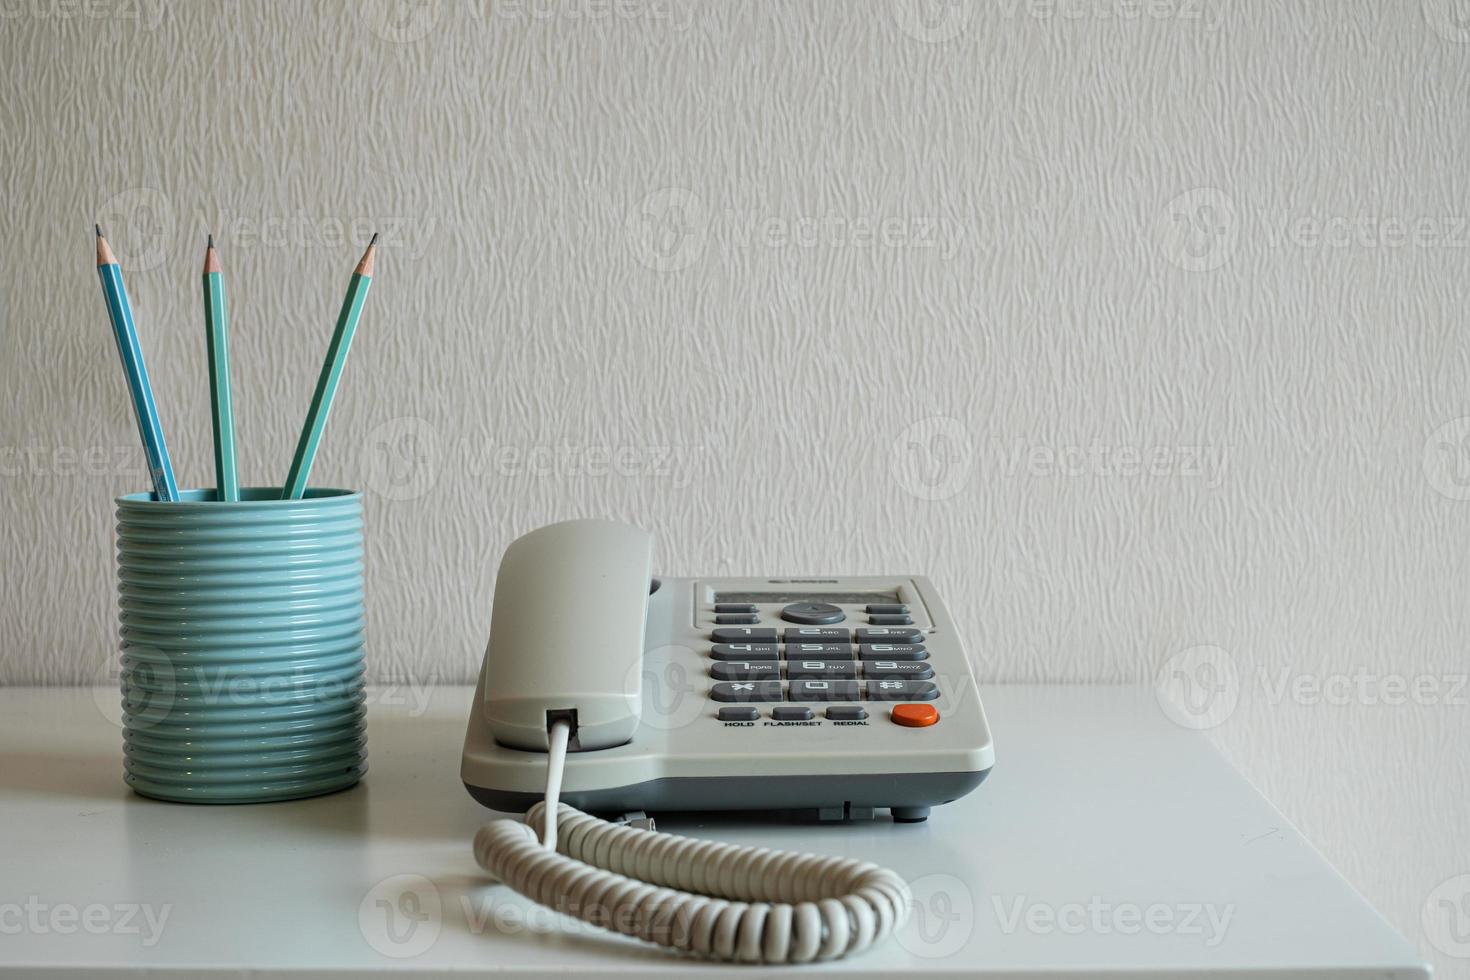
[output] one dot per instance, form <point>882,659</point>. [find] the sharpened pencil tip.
<point>374,240</point>
<point>211,241</point>
<point>99,230</point>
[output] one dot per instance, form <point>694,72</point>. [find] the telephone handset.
<point>566,635</point>
<point>579,634</point>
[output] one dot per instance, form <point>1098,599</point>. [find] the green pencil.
<point>216,336</point>
<point>326,384</point>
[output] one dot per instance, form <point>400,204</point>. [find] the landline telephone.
<point>607,689</point>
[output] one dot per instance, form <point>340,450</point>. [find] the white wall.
<point>1140,328</point>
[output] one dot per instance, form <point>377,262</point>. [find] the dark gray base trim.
<point>832,797</point>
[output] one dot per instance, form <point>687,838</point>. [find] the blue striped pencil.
<point>326,382</point>
<point>216,337</point>
<point>121,313</point>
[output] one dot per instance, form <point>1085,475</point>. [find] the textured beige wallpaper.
<point>1139,326</point>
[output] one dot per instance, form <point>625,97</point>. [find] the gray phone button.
<point>892,651</point>
<point>814,634</point>
<point>813,613</point>
<point>746,670</point>
<point>888,634</point>
<point>821,670</point>
<point>897,670</point>
<point>743,651</point>
<point>818,651</point>
<point>739,607</point>
<point>747,691</point>
<point>739,713</point>
<point>882,608</point>
<point>791,713</point>
<point>890,619</point>
<point>737,619</point>
<point>902,691</point>
<point>822,691</point>
<point>746,634</point>
<point>847,712</point>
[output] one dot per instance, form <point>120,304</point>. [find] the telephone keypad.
<point>748,691</point>
<point>885,660</point>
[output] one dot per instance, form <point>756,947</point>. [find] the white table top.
<point>1107,842</point>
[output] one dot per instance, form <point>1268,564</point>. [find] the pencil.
<point>120,311</point>
<point>326,383</point>
<point>217,339</point>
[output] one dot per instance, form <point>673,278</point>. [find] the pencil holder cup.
<point>242,645</point>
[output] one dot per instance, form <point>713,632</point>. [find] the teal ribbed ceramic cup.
<point>242,645</point>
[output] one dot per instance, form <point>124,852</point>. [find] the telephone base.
<point>830,798</point>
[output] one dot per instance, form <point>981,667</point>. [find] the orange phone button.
<point>915,715</point>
